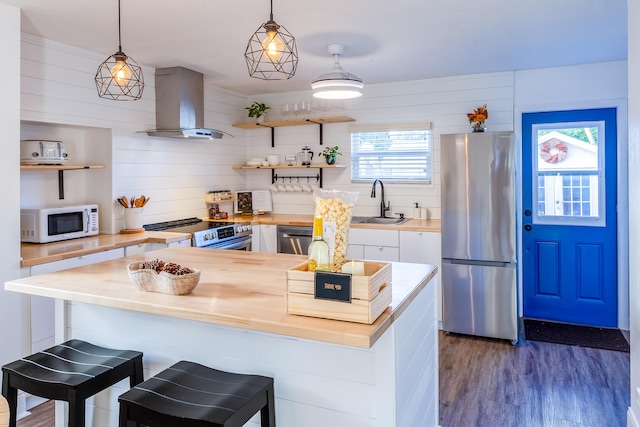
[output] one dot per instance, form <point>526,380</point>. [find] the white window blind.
<point>400,153</point>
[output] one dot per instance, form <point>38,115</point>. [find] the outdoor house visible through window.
<point>569,165</point>
<point>393,153</point>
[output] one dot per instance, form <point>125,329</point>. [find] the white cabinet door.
<point>264,238</point>
<point>355,252</point>
<point>42,308</point>
<point>424,248</point>
<point>136,249</point>
<point>420,247</point>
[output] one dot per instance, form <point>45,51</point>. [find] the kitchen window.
<point>393,153</point>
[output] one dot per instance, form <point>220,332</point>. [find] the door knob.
<point>528,227</point>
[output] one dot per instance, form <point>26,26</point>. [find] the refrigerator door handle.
<point>477,262</point>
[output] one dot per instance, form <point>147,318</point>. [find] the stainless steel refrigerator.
<point>479,234</point>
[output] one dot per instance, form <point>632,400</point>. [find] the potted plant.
<point>330,153</point>
<point>257,110</point>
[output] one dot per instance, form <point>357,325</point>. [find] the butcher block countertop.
<point>35,253</point>
<point>298,219</point>
<point>237,288</point>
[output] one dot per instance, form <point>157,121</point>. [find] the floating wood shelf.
<point>274,176</point>
<point>298,122</point>
<point>320,166</point>
<point>60,169</point>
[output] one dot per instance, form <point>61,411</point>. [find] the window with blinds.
<point>392,153</point>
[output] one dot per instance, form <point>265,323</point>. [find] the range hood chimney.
<point>180,105</point>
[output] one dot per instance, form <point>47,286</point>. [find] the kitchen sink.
<point>377,220</point>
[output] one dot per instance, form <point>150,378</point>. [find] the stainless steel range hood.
<point>180,105</point>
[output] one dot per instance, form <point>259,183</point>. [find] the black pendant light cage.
<point>119,77</point>
<point>276,63</point>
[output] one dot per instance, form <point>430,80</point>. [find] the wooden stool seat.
<point>72,372</point>
<point>188,394</point>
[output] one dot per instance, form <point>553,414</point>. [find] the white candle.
<point>356,268</point>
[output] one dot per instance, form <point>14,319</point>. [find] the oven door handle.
<point>235,245</point>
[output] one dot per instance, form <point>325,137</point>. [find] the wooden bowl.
<point>151,281</point>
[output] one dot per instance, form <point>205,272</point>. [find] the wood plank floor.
<point>487,383</point>
<point>41,416</point>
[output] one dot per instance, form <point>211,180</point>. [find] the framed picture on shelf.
<point>244,202</point>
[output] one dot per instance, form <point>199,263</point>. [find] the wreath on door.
<point>553,152</point>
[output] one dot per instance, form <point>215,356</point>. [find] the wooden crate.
<point>370,294</point>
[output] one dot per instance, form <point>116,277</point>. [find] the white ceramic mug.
<point>273,159</point>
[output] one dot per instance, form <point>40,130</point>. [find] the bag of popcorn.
<point>335,208</point>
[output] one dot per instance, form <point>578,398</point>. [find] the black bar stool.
<point>72,372</point>
<point>188,394</point>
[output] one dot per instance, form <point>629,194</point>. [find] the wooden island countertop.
<point>237,288</point>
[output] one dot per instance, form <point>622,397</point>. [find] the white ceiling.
<point>387,41</point>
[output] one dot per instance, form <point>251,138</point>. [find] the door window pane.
<point>568,165</point>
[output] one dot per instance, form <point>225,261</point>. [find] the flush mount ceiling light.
<point>119,77</point>
<point>337,83</point>
<point>271,53</point>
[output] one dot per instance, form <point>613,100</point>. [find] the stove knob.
<point>206,237</point>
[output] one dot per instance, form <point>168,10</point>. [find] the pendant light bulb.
<point>121,72</point>
<point>272,45</point>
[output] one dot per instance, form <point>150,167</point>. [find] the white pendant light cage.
<point>337,83</point>
<point>119,77</point>
<point>271,52</point>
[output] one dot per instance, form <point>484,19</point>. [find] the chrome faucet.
<point>383,207</point>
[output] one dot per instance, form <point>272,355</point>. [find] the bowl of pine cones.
<point>163,277</point>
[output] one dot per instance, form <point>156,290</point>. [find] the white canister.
<point>273,159</point>
<point>133,218</point>
<point>424,213</point>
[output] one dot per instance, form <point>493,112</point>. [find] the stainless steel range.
<point>209,234</point>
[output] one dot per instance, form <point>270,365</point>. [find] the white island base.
<point>317,383</point>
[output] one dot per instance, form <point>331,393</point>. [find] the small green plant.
<point>257,109</point>
<point>329,152</point>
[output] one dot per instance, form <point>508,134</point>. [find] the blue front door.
<point>569,216</point>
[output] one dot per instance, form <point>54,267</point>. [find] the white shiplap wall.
<point>57,87</point>
<point>444,102</point>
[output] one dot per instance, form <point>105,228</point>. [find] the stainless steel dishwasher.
<point>294,239</point>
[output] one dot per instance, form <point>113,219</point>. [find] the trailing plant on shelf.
<point>330,153</point>
<point>257,109</point>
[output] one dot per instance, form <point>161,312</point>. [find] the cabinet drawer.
<point>78,261</point>
<point>367,236</point>
<point>382,253</point>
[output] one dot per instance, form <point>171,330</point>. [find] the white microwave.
<point>54,224</point>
